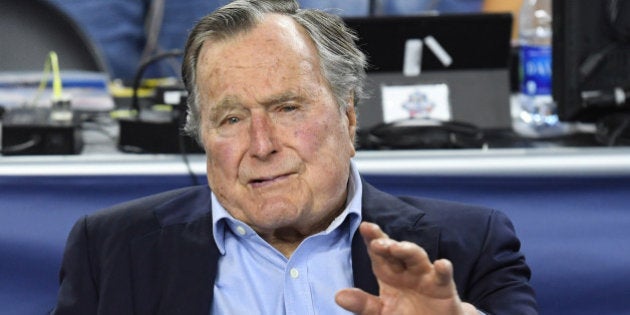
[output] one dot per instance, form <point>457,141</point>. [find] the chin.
<point>277,213</point>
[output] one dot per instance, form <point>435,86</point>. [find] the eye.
<point>232,120</point>
<point>229,120</point>
<point>288,108</point>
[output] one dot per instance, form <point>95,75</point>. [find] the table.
<point>570,207</point>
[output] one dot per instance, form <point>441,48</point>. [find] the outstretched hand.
<point>409,283</point>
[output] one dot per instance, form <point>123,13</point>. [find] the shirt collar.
<point>352,211</point>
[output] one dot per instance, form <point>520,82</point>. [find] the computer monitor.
<point>474,41</point>
<point>591,59</point>
<point>476,69</point>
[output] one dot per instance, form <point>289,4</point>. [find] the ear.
<point>351,115</point>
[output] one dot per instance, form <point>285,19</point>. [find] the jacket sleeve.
<point>500,280</point>
<point>77,291</point>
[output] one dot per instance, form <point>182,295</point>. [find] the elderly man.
<point>287,225</point>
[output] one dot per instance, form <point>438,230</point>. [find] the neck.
<point>286,247</point>
<point>286,240</point>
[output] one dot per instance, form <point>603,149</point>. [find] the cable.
<point>614,130</point>
<point>153,24</point>
<point>135,106</point>
<point>31,143</point>
<point>617,133</point>
<point>594,60</point>
<point>421,134</point>
<point>182,149</point>
<point>140,72</point>
<point>95,122</point>
<point>57,87</point>
<point>51,63</point>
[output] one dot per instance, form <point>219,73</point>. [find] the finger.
<point>443,279</point>
<point>382,259</point>
<point>412,256</point>
<point>378,243</point>
<point>376,240</point>
<point>443,272</point>
<point>358,301</point>
<point>398,262</point>
<point>371,231</point>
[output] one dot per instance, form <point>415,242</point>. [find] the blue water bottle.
<point>537,115</point>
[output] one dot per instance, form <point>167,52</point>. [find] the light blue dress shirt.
<point>255,278</point>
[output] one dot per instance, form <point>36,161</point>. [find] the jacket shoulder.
<point>152,212</point>
<point>413,210</point>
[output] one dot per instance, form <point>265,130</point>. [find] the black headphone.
<point>421,134</point>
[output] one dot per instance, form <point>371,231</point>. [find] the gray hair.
<point>342,62</point>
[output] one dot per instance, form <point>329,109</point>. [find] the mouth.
<point>266,181</point>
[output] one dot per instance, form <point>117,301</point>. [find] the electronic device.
<point>31,30</point>
<point>591,64</point>
<point>472,57</point>
<point>40,131</point>
<point>421,133</point>
<point>474,41</point>
<point>157,131</point>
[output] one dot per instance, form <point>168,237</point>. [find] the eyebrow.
<point>233,101</point>
<point>222,106</point>
<point>282,98</point>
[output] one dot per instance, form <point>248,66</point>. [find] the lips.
<point>268,180</point>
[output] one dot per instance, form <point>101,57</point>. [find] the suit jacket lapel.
<point>400,221</point>
<point>188,274</point>
<point>361,267</point>
<point>174,269</point>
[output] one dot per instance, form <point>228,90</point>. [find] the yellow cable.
<point>51,62</point>
<point>43,82</point>
<point>56,84</point>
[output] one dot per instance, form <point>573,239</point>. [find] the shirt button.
<point>240,230</point>
<point>294,273</point>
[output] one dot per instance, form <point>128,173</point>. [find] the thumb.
<point>358,301</point>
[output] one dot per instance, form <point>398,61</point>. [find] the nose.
<point>263,142</point>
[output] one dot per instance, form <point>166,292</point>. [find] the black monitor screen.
<point>591,58</point>
<point>474,41</point>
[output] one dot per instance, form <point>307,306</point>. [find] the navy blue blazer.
<point>156,255</point>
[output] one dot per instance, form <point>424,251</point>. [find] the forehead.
<point>275,45</point>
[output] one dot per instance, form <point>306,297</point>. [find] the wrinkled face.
<point>278,146</point>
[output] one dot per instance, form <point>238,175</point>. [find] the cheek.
<point>222,157</point>
<point>311,136</point>
<point>321,138</point>
<point>218,150</point>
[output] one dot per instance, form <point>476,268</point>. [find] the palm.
<point>417,287</point>
<point>409,283</point>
